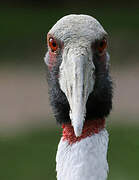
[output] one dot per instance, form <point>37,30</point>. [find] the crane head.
<point>79,83</point>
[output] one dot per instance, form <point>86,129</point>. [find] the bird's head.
<point>78,76</point>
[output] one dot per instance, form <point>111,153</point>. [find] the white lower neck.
<point>83,160</point>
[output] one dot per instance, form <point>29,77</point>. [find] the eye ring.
<point>102,46</point>
<point>53,44</point>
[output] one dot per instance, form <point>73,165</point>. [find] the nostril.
<point>71,90</point>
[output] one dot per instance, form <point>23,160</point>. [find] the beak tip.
<point>77,130</point>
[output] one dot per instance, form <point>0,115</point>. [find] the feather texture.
<point>83,160</point>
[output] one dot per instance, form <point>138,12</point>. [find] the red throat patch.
<point>90,128</point>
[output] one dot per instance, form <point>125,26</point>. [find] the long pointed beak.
<point>76,81</point>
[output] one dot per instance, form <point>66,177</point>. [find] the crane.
<point>80,91</point>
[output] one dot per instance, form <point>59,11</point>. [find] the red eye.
<point>53,44</point>
<point>102,46</point>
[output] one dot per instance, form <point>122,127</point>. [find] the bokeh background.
<point>28,132</point>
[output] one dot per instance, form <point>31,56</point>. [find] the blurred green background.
<point>28,133</point>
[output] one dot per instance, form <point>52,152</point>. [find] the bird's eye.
<point>102,46</point>
<point>53,44</point>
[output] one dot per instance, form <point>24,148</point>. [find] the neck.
<point>90,127</point>
<point>83,157</point>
